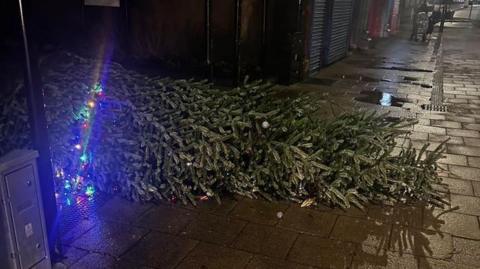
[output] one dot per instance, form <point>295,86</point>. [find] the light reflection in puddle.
<point>380,98</point>
<point>386,99</point>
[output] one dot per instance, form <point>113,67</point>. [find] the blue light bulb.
<point>84,158</point>
<point>90,191</point>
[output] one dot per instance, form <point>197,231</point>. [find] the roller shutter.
<point>319,16</point>
<point>340,29</point>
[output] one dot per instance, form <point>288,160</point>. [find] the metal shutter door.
<point>341,18</point>
<point>395,21</point>
<point>318,29</point>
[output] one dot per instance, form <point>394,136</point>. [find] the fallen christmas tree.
<point>158,138</point>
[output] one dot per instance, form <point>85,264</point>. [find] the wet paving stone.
<point>419,136</point>
<point>124,264</point>
<point>81,228</point>
<point>461,225</point>
<point>472,126</point>
<point>452,140</point>
<point>460,119</point>
<point>119,209</point>
<point>351,212</point>
<point>447,124</point>
<point>453,159</point>
<point>168,219</point>
<point>308,221</point>
<point>160,250</point>
<point>458,186</point>
<point>425,243</point>
<point>110,237</point>
<point>72,255</point>
<point>457,101</point>
<point>366,232</point>
<point>426,122</point>
<point>258,211</point>
<point>320,252</point>
<point>259,262</point>
<point>211,206</point>
<point>425,263</point>
<point>464,172</point>
<point>466,251</point>
<point>476,187</point>
<point>95,260</point>
<point>466,204</point>
<point>367,257</point>
<point>214,229</point>
<point>214,257</point>
<point>473,142</point>
<point>474,162</point>
<point>463,133</point>
<point>432,116</point>
<point>430,129</point>
<point>265,240</point>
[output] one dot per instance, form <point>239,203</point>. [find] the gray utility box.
<point>23,237</point>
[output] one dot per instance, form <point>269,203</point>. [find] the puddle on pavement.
<point>380,98</point>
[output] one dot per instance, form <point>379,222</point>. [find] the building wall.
<point>223,38</point>
<point>285,40</point>
<point>359,37</point>
<point>395,18</point>
<point>251,38</point>
<point>406,12</point>
<point>378,18</point>
<point>168,30</point>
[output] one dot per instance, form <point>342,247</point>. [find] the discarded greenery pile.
<point>175,139</point>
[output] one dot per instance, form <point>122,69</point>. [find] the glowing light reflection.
<point>386,99</point>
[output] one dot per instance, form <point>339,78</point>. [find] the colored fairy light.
<point>98,88</point>
<point>67,185</point>
<point>90,191</point>
<point>84,158</point>
<point>77,179</point>
<point>59,173</point>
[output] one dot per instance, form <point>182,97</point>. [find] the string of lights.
<point>77,177</point>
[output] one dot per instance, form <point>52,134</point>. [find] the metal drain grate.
<point>437,87</point>
<point>80,209</point>
<point>432,107</point>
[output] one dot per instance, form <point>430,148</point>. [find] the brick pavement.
<point>244,233</point>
